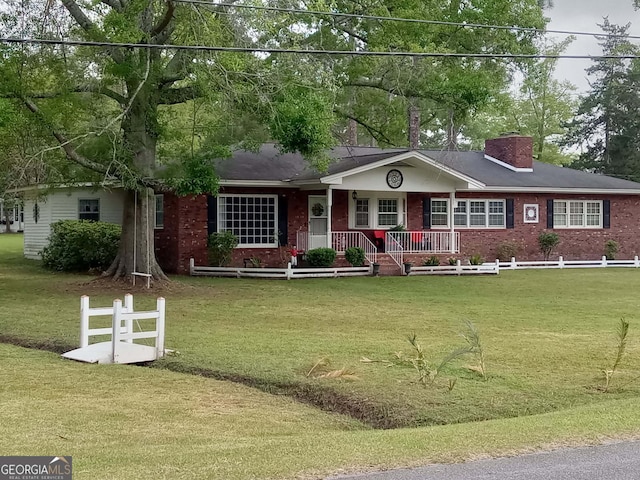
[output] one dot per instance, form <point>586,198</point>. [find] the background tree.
<point>607,125</point>
<point>110,108</point>
<point>541,108</point>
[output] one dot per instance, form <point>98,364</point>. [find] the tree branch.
<point>65,144</point>
<point>89,27</point>
<point>115,4</point>
<point>173,96</point>
<point>80,89</point>
<point>168,15</point>
<point>374,132</point>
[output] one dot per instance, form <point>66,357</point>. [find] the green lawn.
<point>547,337</point>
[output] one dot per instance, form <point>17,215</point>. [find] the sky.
<point>584,15</point>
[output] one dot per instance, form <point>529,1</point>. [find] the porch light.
<point>354,195</point>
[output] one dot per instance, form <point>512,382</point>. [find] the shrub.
<point>476,259</point>
<point>547,242</point>
<point>81,245</point>
<point>432,261</point>
<point>321,257</point>
<point>220,247</point>
<point>506,250</point>
<point>355,256</point>
<point>610,249</point>
<point>452,260</point>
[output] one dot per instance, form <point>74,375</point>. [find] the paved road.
<point>614,461</point>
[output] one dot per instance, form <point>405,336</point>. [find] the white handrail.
<point>394,248</point>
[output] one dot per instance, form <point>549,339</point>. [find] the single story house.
<point>449,204</point>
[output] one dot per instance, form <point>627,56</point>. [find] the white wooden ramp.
<point>122,347</point>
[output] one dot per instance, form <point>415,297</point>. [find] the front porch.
<point>395,244</point>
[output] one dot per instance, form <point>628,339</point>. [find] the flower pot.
<point>376,269</point>
<point>407,267</point>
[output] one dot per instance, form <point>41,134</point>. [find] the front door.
<point>317,221</point>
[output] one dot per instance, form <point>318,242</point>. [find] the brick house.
<point>450,204</point>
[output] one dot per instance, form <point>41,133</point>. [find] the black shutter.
<point>426,213</point>
<point>283,221</point>
<point>510,214</point>
<point>549,213</point>
<point>606,214</point>
<point>212,214</point>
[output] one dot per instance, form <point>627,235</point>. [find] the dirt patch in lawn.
<point>320,396</point>
<point>324,397</point>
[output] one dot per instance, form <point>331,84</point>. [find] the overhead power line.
<point>404,19</point>
<point>361,53</point>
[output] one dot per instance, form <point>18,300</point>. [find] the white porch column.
<point>452,202</point>
<point>329,208</point>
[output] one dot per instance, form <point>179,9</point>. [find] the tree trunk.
<point>352,133</point>
<point>414,124</point>
<point>137,246</point>
<point>136,254</point>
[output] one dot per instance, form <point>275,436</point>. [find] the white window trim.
<point>355,214</point>
<point>273,244</point>
<point>584,215</point>
<point>157,226</point>
<point>373,198</point>
<point>90,199</point>
<point>467,213</point>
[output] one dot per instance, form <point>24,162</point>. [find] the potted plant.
<point>407,267</point>
<point>376,269</point>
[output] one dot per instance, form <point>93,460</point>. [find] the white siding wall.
<point>63,205</point>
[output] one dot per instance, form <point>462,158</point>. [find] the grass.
<point>546,336</point>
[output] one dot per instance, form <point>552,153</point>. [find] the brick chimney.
<point>511,148</point>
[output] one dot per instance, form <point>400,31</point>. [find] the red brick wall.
<point>184,234</point>
<point>185,231</point>
<point>513,149</point>
<point>575,244</point>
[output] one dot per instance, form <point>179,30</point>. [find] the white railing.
<point>457,269</point>
<point>281,273</point>
<point>562,263</point>
<point>340,241</point>
<point>420,241</point>
<point>121,348</point>
<point>302,240</point>
<point>393,247</point>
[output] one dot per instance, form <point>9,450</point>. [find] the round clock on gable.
<point>394,178</point>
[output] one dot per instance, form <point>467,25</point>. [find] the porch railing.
<point>419,241</point>
<point>394,248</point>
<point>340,241</point>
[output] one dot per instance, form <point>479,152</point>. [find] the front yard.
<point>547,336</point>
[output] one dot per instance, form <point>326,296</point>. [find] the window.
<point>387,212</point>
<point>577,214</point>
<point>159,220</point>
<point>250,218</point>
<point>439,215</point>
<point>362,213</point>
<point>89,209</point>
<point>469,213</point>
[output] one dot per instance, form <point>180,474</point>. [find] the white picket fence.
<point>562,263</point>
<point>457,269</point>
<point>281,273</point>
<point>121,348</point>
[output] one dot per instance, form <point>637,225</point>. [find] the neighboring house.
<point>451,203</point>
<point>12,213</point>
<point>65,203</point>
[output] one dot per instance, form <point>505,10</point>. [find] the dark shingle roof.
<point>269,164</point>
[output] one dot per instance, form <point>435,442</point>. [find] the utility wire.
<point>404,19</point>
<point>360,53</point>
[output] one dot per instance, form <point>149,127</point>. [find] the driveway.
<point>612,461</point>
